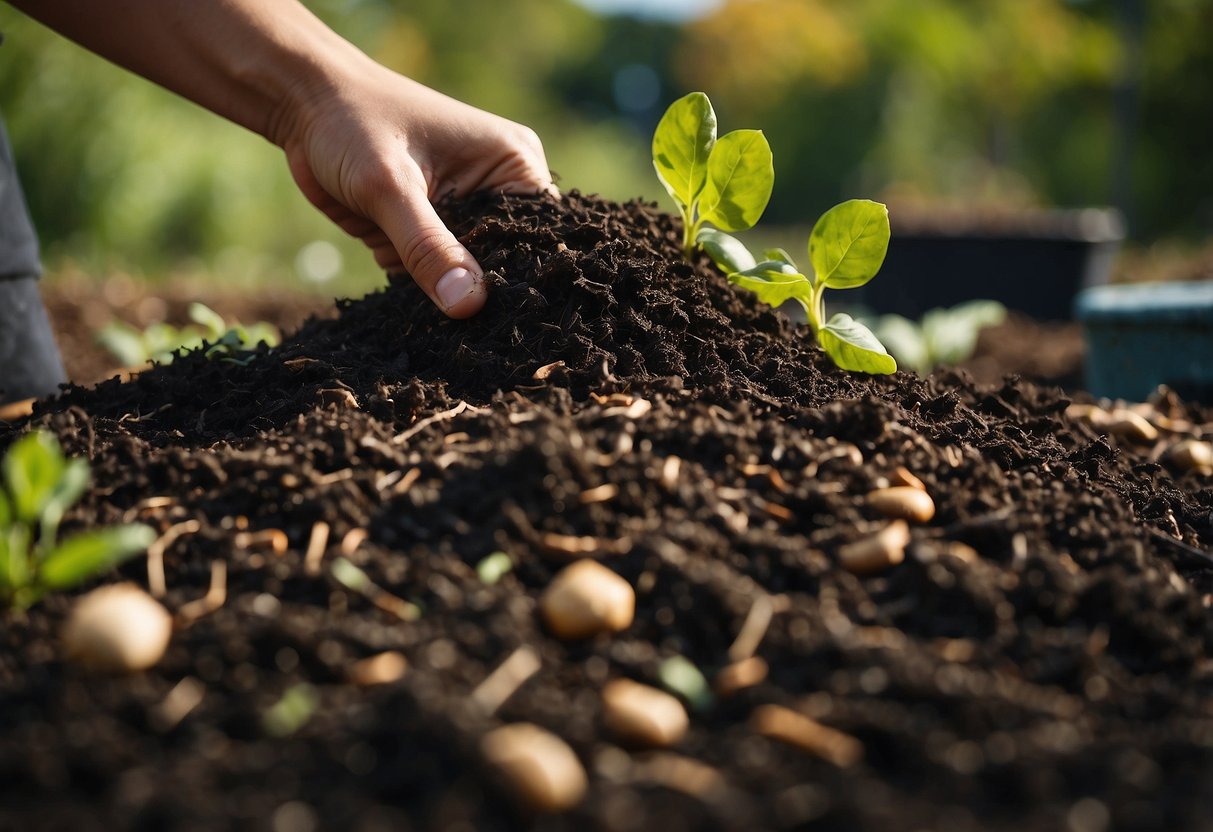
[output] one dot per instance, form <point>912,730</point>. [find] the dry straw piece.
<point>1192,455</point>
<point>536,767</point>
<point>117,628</point>
<point>585,599</point>
<point>903,502</point>
<point>740,675</point>
<point>1131,427</point>
<point>643,715</point>
<point>876,552</point>
<point>798,730</point>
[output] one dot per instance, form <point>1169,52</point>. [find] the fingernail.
<point>454,286</point>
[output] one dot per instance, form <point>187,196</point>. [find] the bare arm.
<point>370,148</point>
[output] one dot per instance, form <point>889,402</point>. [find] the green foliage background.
<point>1005,102</point>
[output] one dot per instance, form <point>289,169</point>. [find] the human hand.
<point>374,151</point>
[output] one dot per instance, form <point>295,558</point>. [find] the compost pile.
<point>1041,659</point>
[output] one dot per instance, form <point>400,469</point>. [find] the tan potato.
<point>876,552</point>
<point>903,502</point>
<point>643,715</point>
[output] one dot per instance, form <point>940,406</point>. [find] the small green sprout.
<point>846,248</point>
<point>942,337</point>
<point>291,712</point>
<point>162,342</point>
<point>726,182</point>
<point>39,485</point>
<point>494,567</point>
<point>679,675</point>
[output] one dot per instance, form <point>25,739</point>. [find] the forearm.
<point>254,62</point>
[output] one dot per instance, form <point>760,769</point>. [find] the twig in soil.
<point>149,504</point>
<point>1199,555</point>
<point>398,481</point>
<point>401,438</point>
<point>316,545</point>
<point>335,477</point>
<point>682,774</point>
<point>355,580</point>
<point>275,538</point>
<point>177,704</point>
<point>505,680</point>
<point>573,546</point>
<point>753,629</point>
<point>798,730</point>
<point>216,597</point>
<point>155,555</point>
<point>599,494</point>
<point>352,540</point>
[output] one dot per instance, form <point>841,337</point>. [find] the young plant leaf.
<point>853,346</point>
<point>782,256</point>
<point>741,174</point>
<point>728,253</point>
<point>681,146</point>
<point>849,243</point>
<point>32,469</point>
<point>83,555</point>
<point>774,282</point>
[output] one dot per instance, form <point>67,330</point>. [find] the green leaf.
<point>208,319</point>
<point>849,243</point>
<point>728,253</point>
<point>853,346</point>
<point>6,512</point>
<point>493,568</point>
<point>774,283</point>
<point>741,174</point>
<point>32,469</point>
<point>86,554</point>
<point>14,556</point>
<point>125,343</point>
<point>680,676</point>
<point>292,711</point>
<point>905,341</point>
<point>681,146</point>
<point>780,255</point>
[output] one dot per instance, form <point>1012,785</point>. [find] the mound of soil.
<point>1041,659</point>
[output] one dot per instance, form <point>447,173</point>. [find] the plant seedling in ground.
<point>39,485</point>
<point>725,181</point>
<point>846,248</point>
<point>943,336</point>
<point>162,342</point>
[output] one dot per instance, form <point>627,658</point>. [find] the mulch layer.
<point>1041,660</point>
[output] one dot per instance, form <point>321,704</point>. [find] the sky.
<point>663,9</point>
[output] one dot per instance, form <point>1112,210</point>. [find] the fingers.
<point>439,264</point>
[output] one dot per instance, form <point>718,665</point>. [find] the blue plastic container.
<point>1141,335</point>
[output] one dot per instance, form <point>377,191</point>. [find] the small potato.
<point>535,767</point>
<point>876,552</point>
<point>585,599</point>
<point>117,628</point>
<point>643,715</point>
<point>903,502</point>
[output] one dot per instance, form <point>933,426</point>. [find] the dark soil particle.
<point>1054,672</point>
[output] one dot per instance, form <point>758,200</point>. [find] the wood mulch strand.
<point>1041,659</point>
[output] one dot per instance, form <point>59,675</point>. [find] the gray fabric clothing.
<point>18,242</point>
<point>29,358</point>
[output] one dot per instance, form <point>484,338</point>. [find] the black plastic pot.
<point>1034,264</point>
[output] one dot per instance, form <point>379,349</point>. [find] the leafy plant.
<point>943,336</point>
<point>725,181</point>
<point>162,342</point>
<point>39,485</point>
<point>846,248</point>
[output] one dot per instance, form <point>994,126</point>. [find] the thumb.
<point>438,263</point>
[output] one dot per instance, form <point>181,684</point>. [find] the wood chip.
<point>643,715</point>
<point>401,438</point>
<point>353,539</point>
<point>380,669</point>
<point>14,411</point>
<point>1131,427</point>
<point>1191,455</point>
<point>546,370</point>
<point>876,552</point>
<point>177,704</point>
<point>740,675</point>
<point>273,539</point>
<point>795,729</point>
<point>585,599</point>
<point>338,396</point>
<point>903,502</point>
<point>599,494</point>
<point>535,767</point>
<point>216,597</point>
<point>505,680</point>
<point>316,545</point>
<point>670,469</point>
<point>681,774</point>
<point>155,555</point>
<point>781,513</point>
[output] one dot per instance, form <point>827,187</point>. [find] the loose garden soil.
<point>1041,660</point>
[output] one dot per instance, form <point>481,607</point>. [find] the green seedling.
<point>493,568</point>
<point>291,712</point>
<point>726,182</point>
<point>680,676</point>
<point>39,485</point>
<point>942,337</point>
<point>163,342</point>
<point>846,248</point>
